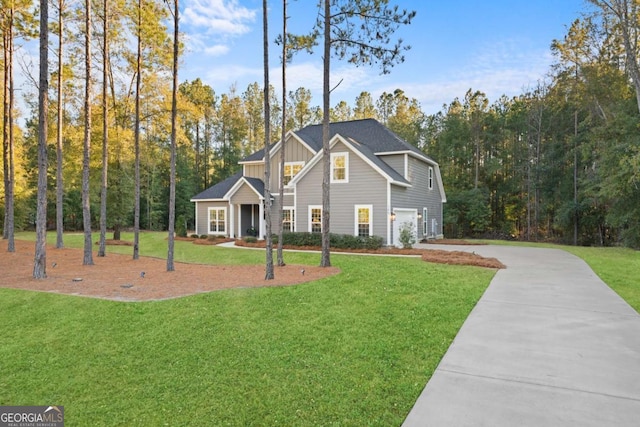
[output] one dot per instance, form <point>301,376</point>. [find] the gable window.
<point>315,219</point>
<point>425,222</point>
<point>288,224</point>
<point>430,178</point>
<point>339,167</point>
<point>363,217</point>
<point>217,220</point>
<point>290,170</point>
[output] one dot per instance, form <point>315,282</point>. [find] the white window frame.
<point>292,221</point>
<point>356,219</point>
<point>425,222</point>
<point>311,208</point>
<point>291,165</point>
<point>344,154</point>
<point>430,177</point>
<point>217,232</point>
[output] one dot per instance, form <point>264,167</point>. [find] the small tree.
<point>407,235</point>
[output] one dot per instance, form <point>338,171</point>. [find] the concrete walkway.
<point>548,344</point>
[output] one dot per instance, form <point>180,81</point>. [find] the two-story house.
<point>379,184</point>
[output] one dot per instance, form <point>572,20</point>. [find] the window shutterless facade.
<point>340,167</point>
<point>288,219</point>
<point>218,220</point>
<point>315,219</point>
<point>363,220</point>
<point>290,170</point>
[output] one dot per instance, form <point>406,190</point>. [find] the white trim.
<point>335,155</point>
<point>233,190</point>
<point>409,152</point>
<point>310,208</point>
<point>406,166</point>
<point>217,208</point>
<point>388,221</point>
<point>356,221</point>
<point>337,138</point>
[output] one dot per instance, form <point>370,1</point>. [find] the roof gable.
<point>368,132</point>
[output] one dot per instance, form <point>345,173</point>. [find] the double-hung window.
<point>217,220</point>
<point>430,178</point>
<point>288,221</point>
<point>340,167</point>
<point>290,170</point>
<point>315,219</point>
<point>363,220</point>
<point>425,222</point>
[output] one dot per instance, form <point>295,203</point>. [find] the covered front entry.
<point>404,218</point>
<point>246,220</point>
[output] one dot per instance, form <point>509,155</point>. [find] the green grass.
<point>617,267</point>
<point>353,349</point>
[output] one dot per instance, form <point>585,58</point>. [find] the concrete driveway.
<point>548,344</point>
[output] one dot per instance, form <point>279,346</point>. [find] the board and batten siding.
<point>294,152</point>
<point>202,215</point>
<point>419,196</point>
<point>365,186</point>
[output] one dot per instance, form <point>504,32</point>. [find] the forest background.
<point>559,162</point>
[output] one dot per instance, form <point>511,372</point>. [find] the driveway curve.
<point>548,344</point>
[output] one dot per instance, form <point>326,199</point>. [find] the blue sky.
<point>498,47</point>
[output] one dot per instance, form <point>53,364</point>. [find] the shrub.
<point>407,236</point>
<point>250,239</point>
<point>194,236</point>
<point>181,226</point>
<point>339,241</point>
<point>204,236</point>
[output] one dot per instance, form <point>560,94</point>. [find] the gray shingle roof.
<point>220,189</point>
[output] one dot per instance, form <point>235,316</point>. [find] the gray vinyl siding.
<point>419,196</point>
<point>202,213</point>
<point>244,196</point>
<point>365,187</point>
<point>396,161</point>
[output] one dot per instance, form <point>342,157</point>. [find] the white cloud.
<point>219,16</point>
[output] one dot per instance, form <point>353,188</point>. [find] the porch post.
<point>232,220</point>
<point>261,235</point>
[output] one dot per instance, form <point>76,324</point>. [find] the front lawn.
<point>353,349</point>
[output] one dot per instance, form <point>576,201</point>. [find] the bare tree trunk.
<point>267,145</point>
<point>136,143</point>
<point>280,251</point>
<point>40,259</point>
<point>325,260</point>
<point>105,131</point>
<point>174,117</point>
<point>86,202</point>
<point>9,203</point>
<point>5,127</point>
<point>59,175</point>
<point>576,215</point>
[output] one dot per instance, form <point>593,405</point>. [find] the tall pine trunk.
<point>105,131</point>
<point>325,260</point>
<point>280,251</point>
<point>40,260</point>
<point>174,117</point>
<point>136,137</point>
<point>59,177</point>
<point>86,201</point>
<point>267,143</point>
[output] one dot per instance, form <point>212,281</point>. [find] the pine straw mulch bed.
<point>428,255</point>
<point>119,277</point>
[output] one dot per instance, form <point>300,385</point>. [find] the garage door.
<point>404,217</point>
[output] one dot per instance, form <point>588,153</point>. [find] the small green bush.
<point>181,226</point>
<point>194,236</point>
<point>250,239</point>
<point>204,236</point>
<point>338,241</point>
